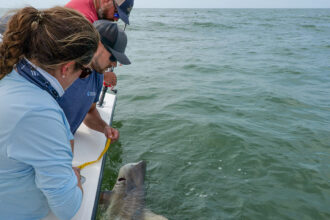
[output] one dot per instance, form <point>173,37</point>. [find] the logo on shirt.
<point>34,73</point>
<point>91,93</point>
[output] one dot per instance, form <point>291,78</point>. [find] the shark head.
<point>131,176</point>
<point>126,201</point>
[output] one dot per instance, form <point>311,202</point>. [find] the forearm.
<point>94,121</point>
<point>66,202</point>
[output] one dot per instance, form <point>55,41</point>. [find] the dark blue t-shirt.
<point>79,97</point>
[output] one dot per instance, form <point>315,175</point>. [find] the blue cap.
<point>124,8</point>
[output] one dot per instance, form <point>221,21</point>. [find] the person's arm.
<point>94,121</point>
<point>42,141</point>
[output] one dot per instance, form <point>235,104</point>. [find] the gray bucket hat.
<point>114,39</point>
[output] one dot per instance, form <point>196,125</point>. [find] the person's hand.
<point>77,172</point>
<point>110,78</point>
<point>111,133</point>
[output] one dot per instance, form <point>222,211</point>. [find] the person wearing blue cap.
<point>103,9</point>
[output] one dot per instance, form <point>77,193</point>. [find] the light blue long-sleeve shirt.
<point>35,154</point>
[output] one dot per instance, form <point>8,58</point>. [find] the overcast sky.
<point>187,3</point>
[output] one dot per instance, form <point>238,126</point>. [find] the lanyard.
<point>32,75</point>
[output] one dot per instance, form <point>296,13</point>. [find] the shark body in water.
<point>126,201</point>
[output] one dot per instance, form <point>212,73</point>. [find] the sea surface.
<point>230,108</point>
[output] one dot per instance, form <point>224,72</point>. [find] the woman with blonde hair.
<point>42,53</point>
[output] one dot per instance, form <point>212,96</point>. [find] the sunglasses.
<point>112,58</point>
<point>85,71</point>
<point>115,15</point>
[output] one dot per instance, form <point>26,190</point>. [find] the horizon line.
<point>239,8</point>
<point>213,7</point>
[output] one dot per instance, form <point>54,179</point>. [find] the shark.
<point>126,201</point>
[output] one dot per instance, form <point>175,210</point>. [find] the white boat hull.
<point>88,146</point>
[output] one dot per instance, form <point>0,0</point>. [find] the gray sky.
<point>187,3</point>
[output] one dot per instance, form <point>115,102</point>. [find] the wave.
<point>311,26</point>
<point>284,70</point>
<point>212,25</point>
<point>197,105</point>
<point>158,24</point>
<point>266,25</point>
<point>203,69</point>
<point>287,101</point>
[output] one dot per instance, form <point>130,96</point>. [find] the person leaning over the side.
<point>42,53</point>
<point>111,10</point>
<point>79,101</point>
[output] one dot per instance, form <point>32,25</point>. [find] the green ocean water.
<point>231,110</point>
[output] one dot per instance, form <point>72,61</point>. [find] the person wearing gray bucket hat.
<point>79,100</point>
<point>114,39</point>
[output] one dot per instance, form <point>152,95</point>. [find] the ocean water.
<point>231,110</point>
